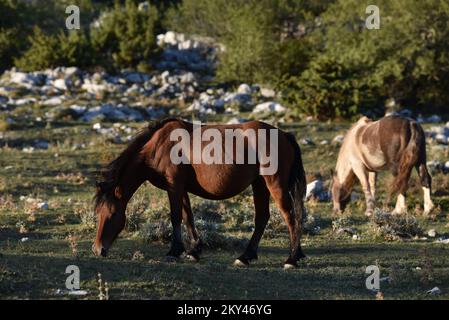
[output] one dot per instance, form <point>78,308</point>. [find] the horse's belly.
<point>373,158</point>
<point>222,181</point>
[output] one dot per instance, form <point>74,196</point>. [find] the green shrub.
<point>43,53</point>
<point>353,69</point>
<point>125,36</point>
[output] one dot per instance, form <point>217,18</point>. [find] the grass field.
<point>63,176</point>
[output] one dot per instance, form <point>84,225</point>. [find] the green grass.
<point>334,269</point>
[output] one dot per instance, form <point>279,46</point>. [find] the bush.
<point>353,69</point>
<point>395,227</point>
<point>251,32</point>
<point>43,53</point>
<point>125,36</point>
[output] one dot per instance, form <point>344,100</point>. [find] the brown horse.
<point>148,158</point>
<point>391,143</point>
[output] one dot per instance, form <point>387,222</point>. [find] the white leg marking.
<point>400,205</point>
<point>428,203</point>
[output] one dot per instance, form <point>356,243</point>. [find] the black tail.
<point>297,184</point>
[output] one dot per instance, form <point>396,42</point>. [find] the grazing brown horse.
<point>147,158</point>
<point>392,143</point>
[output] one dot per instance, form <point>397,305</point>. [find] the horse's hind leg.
<point>426,183</point>
<point>187,216</point>
<point>177,247</point>
<point>261,197</point>
<point>283,201</point>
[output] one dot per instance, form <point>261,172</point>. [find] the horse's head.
<point>341,194</point>
<point>110,209</point>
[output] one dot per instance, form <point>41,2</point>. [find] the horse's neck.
<point>133,177</point>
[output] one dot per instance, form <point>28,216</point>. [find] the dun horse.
<point>147,158</point>
<point>392,143</point>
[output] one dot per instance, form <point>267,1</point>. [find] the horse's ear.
<point>118,192</point>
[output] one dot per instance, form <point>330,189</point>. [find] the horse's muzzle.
<point>99,251</point>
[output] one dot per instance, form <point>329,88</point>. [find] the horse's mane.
<point>110,174</point>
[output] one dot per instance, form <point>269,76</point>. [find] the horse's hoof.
<point>171,259</point>
<point>240,263</point>
<point>288,266</point>
<point>428,211</point>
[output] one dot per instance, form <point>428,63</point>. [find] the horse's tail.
<point>297,184</point>
<point>409,157</point>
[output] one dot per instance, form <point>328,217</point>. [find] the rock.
<point>356,237</point>
<point>244,89</point>
<point>434,166</point>
<point>432,233</point>
<point>144,6</point>
<point>155,113</point>
<point>96,126</point>
<point>93,88</point>
<point>28,150</point>
<point>446,166</point>
<point>269,107</point>
<point>112,113</point>
<point>236,99</point>
<point>41,144</point>
<point>187,77</point>
<point>78,110</point>
<point>338,139</point>
<point>23,101</point>
<point>434,119</point>
<point>24,239</point>
<point>307,142</point>
<point>43,205</point>
<point>54,101</point>
<point>236,120</point>
<point>350,231</point>
<point>441,138</point>
<point>267,93</point>
<point>135,77</point>
<point>434,291</point>
<point>3,99</point>
<point>27,80</point>
<point>60,84</point>
<point>315,189</point>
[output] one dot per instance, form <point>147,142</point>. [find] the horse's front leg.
<point>177,246</point>
<point>372,183</point>
<point>187,215</point>
<point>261,197</point>
<point>362,174</point>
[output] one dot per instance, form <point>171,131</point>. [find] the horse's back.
<point>382,142</point>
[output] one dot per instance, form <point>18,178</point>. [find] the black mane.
<point>110,175</point>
